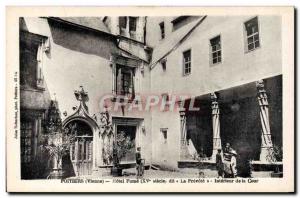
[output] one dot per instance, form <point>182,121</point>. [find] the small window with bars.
<point>164,64</point>
<point>216,51</point>
<point>165,101</point>
<point>162,30</point>
<point>252,34</point>
<point>187,62</point>
<point>164,132</point>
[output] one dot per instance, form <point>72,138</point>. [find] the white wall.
<point>238,67</point>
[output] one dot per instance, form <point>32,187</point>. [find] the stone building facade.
<point>230,67</point>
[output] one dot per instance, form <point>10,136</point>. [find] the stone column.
<point>183,141</point>
<point>95,150</point>
<point>76,158</point>
<point>182,127</point>
<point>266,140</point>
<point>216,125</point>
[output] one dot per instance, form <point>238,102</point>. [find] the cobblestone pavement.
<point>181,173</point>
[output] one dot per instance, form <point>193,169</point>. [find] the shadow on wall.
<point>199,126</point>
<point>242,126</point>
<point>274,91</point>
<point>81,40</point>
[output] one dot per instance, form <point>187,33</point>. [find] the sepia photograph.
<point>136,98</point>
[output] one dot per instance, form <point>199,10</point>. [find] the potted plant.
<point>57,145</point>
<point>121,146</point>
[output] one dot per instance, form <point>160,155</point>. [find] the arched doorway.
<point>81,151</point>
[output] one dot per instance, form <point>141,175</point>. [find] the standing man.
<point>219,163</point>
<point>139,165</point>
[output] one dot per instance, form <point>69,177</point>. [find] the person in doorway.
<point>229,156</point>
<point>219,163</point>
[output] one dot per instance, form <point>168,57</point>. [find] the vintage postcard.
<point>150,99</point>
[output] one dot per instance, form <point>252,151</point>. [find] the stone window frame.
<point>165,97</point>
<point>164,133</point>
<point>127,30</point>
<point>187,65</point>
<point>246,36</point>
<point>211,51</point>
<point>163,63</point>
<point>130,70</point>
<point>162,30</point>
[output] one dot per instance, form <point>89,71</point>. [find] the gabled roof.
<point>172,41</point>
<point>95,23</point>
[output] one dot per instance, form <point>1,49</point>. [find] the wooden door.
<point>82,155</point>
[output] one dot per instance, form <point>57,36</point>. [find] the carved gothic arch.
<point>82,113</point>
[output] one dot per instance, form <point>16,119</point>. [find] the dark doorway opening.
<point>130,131</point>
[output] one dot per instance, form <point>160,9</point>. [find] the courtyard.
<point>180,173</point>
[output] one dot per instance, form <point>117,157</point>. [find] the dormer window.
<point>123,22</point>
<point>128,26</point>
<point>181,21</point>
<point>132,23</point>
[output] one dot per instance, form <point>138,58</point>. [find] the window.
<point>124,81</point>
<point>164,64</point>
<point>132,23</point>
<point>26,141</point>
<point>79,154</point>
<point>162,30</point>
<point>165,101</point>
<point>128,26</point>
<point>123,25</point>
<point>216,53</point>
<point>132,27</point>
<point>187,62</point>
<point>32,53</point>
<point>252,34</point>
<point>164,132</point>
<point>90,150</point>
<point>72,148</point>
<point>123,22</point>
<point>181,21</point>
<point>40,55</point>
